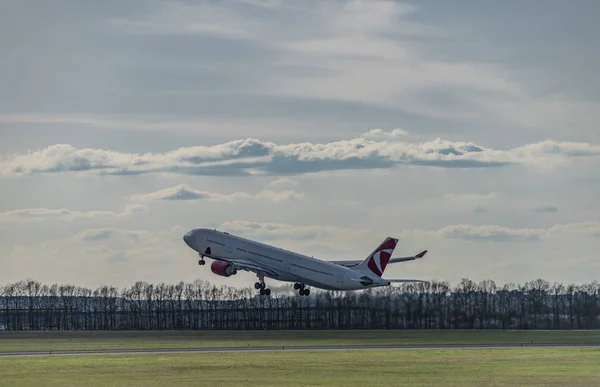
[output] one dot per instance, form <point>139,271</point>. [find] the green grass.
<point>456,367</point>
<point>45,341</point>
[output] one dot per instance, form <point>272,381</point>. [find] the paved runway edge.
<point>291,348</point>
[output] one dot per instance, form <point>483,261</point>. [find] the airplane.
<point>232,253</point>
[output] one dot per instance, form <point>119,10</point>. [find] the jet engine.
<point>223,268</point>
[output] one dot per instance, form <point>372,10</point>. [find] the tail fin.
<point>379,258</point>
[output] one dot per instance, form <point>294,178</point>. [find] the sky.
<point>467,128</point>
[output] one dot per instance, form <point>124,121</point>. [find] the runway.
<point>289,348</point>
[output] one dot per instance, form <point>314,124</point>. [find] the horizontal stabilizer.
<point>393,260</point>
<point>364,280</point>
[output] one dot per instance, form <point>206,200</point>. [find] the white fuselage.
<point>289,266</point>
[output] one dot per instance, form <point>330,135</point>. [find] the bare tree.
<point>200,305</point>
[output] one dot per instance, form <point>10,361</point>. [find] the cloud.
<point>236,20</point>
<point>148,122</point>
<point>546,209</point>
<point>364,52</point>
<point>589,228</point>
<point>104,234</point>
<point>109,254</point>
<point>252,157</point>
<point>472,198</point>
<point>373,51</point>
<point>31,214</point>
<point>185,192</point>
<point>122,235</point>
<point>479,210</point>
<point>479,202</point>
<point>497,233</point>
<point>274,231</point>
<point>101,122</point>
<point>135,246</point>
<point>492,233</point>
<point>284,182</point>
<point>279,196</point>
<point>180,18</point>
<point>380,134</point>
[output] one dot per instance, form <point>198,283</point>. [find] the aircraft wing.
<point>393,260</point>
<point>255,268</point>
<point>242,264</point>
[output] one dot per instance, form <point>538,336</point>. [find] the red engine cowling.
<point>222,268</point>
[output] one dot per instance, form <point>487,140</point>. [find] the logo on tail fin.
<point>379,258</point>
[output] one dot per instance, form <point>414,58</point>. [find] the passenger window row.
<point>313,270</point>
<point>260,255</point>
<point>215,242</point>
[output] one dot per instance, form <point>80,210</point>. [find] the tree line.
<point>538,304</point>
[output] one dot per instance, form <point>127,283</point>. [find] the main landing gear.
<point>302,291</point>
<point>264,291</point>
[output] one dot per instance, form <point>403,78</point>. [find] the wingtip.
<point>421,254</point>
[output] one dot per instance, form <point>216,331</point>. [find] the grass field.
<point>45,341</point>
<point>456,367</point>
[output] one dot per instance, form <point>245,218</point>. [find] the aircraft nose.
<point>189,238</point>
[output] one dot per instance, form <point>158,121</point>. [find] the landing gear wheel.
<point>260,285</point>
<point>304,292</point>
<point>201,262</point>
<point>296,286</point>
<point>265,292</point>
